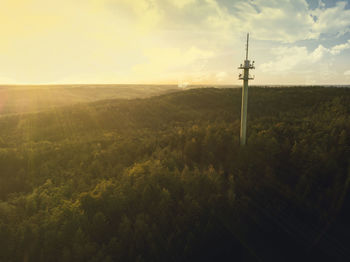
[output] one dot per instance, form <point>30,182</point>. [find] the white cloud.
<point>339,48</point>
<point>334,20</point>
<point>280,20</point>
<point>347,73</point>
<point>288,58</point>
<point>283,20</point>
<point>221,76</point>
<point>163,58</point>
<point>170,62</point>
<point>317,54</point>
<point>182,3</point>
<point>290,21</point>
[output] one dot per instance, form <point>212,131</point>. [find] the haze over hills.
<point>33,98</point>
<point>22,99</point>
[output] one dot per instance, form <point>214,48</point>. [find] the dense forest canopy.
<point>164,178</point>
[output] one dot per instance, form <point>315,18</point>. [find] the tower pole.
<point>244,108</point>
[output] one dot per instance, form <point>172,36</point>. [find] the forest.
<point>163,178</point>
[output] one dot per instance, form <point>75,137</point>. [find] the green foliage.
<point>164,178</point>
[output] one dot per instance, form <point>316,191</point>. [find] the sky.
<point>179,42</point>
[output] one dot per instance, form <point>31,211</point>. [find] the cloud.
<point>182,3</point>
<point>170,62</point>
<point>165,58</point>
<point>221,76</point>
<point>339,48</point>
<point>144,15</point>
<point>334,20</point>
<point>347,73</point>
<point>283,20</point>
<point>288,58</point>
<point>278,20</point>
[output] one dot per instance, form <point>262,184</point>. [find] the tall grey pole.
<point>244,109</point>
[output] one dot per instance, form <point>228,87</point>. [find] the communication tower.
<point>245,77</point>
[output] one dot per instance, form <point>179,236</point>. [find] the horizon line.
<point>170,84</point>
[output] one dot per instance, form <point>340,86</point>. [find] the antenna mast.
<point>244,110</point>
<point>247,47</point>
